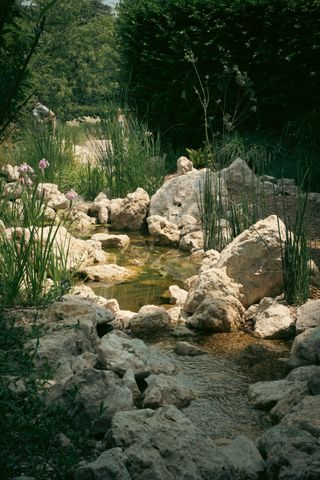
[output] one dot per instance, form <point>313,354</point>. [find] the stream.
<point>234,360</point>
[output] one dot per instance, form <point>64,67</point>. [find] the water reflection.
<point>158,267</point>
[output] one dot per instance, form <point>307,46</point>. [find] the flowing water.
<point>220,379</point>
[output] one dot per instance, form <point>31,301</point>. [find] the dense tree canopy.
<point>76,66</point>
<point>272,47</point>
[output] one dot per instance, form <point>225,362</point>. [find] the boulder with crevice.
<point>163,231</point>
<point>253,260</point>
<point>129,213</point>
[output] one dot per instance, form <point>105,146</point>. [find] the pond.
<point>220,378</point>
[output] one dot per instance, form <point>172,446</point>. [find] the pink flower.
<point>25,168</point>
<point>29,182</point>
<point>71,195</point>
<point>43,164</point>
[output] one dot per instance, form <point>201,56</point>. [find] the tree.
<point>76,67</point>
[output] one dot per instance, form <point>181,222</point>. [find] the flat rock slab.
<point>265,395</point>
<point>110,273</point>
<point>112,241</point>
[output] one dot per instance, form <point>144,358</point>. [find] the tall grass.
<point>37,141</point>
<point>30,272</point>
<point>295,255</point>
<point>131,156</point>
<point>91,180</point>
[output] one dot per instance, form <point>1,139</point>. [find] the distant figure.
<point>43,114</point>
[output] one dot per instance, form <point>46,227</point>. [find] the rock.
<point>175,316</point>
<point>112,241</point>
<point>253,259</point>
<point>184,166</point>
<point>217,313</point>
<point>239,177</point>
<point>185,348</point>
<point>100,208</point>
<point>164,444</point>
<point>209,260</point>
<point>150,319</point>
<point>209,282</point>
<point>302,374</point>
<point>129,381</point>
<point>179,196</point>
<point>265,395</point>
<point>110,273</point>
<point>110,465</point>
<point>47,190</point>
<point>11,172</point>
<point>119,353</point>
<point>79,220</point>
<point>77,311</point>
<point>308,316</point>
<point>165,390</point>
<point>98,394</point>
<point>129,213</point>
<point>178,296</point>
<point>286,404</point>
<point>305,415</point>
<point>192,241</point>
<point>314,383</point>
<point>80,252</point>
<point>290,453</point>
<point>165,232</point>
<point>58,350</point>
<point>245,458</point>
<point>305,349</point>
<point>124,318</point>
<point>273,320</point>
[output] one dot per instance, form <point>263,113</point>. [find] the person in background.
<point>43,114</point>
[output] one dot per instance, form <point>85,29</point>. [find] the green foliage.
<point>18,43</point>
<point>131,156</point>
<point>33,266</point>
<point>271,46</point>
<point>36,142</point>
<point>75,68</point>
<point>26,420</point>
<point>91,180</point>
<point>295,255</point>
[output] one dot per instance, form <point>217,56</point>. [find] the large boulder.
<point>120,353</point>
<point>110,465</point>
<point>305,349</point>
<point>239,177</point>
<point>290,453</point>
<point>129,213</point>
<point>217,313</point>
<point>110,273</point>
<point>253,259</point>
<point>179,196</point>
<point>265,395</point>
<point>164,444</point>
<point>212,281</point>
<point>150,319</point>
<point>308,316</point>
<point>78,252</point>
<point>166,390</point>
<point>59,350</point>
<point>112,241</point>
<point>164,232</point>
<point>273,320</point>
<point>97,395</point>
<point>305,415</point>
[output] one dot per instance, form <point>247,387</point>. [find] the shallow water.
<point>157,268</point>
<point>220,378</point>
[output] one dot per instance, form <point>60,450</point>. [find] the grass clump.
<point>295,255</point>
<point>33,265</point>
<point>130,155</point>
